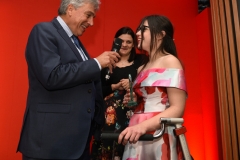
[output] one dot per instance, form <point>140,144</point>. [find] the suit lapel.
<point>64,35</point>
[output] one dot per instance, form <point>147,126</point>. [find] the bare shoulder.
<point>170,61</point>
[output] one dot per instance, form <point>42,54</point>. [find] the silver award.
<point>131,103</point>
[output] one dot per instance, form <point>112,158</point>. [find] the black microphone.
<point>117,43</point>
<point>114,136</point>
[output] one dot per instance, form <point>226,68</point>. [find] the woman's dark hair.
<point>128,30</point>
<point>157,24</point>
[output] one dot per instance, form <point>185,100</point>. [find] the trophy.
<point>131,103</point>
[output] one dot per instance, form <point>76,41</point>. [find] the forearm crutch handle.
<point>114,136</point>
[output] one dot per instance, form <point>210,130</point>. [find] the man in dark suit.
<point>64,105</point>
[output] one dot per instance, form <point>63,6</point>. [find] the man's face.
<point>78,20</point>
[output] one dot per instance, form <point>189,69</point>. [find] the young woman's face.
<point>127,44</point>
<point>145,39</point>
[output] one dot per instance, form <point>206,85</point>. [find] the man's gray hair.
<point>76,3</point>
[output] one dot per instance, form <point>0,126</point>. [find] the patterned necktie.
<point>76,42</point>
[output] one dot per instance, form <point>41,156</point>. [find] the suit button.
<point>89,110</point>
<point>89,91</point>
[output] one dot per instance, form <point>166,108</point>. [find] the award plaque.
<point>131,103</point>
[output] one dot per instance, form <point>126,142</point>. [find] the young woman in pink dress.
<point>159,90</point>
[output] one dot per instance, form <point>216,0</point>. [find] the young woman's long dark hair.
<point>157,24</point>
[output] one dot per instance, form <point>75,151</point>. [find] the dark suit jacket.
<point>64,96</point>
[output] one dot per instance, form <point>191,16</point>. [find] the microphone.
<point>117,43</point>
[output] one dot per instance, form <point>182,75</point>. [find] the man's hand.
<point>108,59</point>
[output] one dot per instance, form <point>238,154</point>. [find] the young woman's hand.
<point>127,97</point>
<point>117,86</point>
<point>125,83</point>
<point>131,134</point>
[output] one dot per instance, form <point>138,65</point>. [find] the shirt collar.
<point>65,26</point>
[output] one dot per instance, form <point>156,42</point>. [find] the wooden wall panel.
<point>226,42</point>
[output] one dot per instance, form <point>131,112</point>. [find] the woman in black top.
<point>116,114</point>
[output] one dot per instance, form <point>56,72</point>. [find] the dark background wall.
<point>192,38</point>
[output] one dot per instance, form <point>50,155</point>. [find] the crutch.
<point>179,131</point>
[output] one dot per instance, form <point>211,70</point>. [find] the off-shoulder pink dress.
<point>151,88</point>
